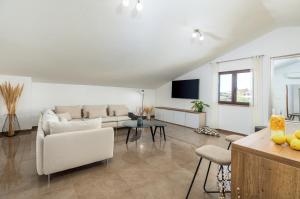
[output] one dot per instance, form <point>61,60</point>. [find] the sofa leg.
<point>49,178</point>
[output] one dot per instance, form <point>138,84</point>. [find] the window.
<point>235,87</point>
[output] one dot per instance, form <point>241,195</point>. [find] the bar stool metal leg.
<point>187,196</point>
<point>222,179</point>
<point>204,186</point>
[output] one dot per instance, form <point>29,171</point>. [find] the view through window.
<point>235,87</point>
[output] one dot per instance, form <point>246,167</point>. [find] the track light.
<point>201,37</point>
<point>139,6</point>
<point>198,34</point>
<point>125,3</point>
<point>194,35</point>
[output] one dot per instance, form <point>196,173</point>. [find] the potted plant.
<point>198,105</point>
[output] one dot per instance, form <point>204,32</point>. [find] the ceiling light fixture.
<point>125,3</point>
<point>201,37</point>
<point>198,34</point>
<point>195,34</point>
<point>139,6</point>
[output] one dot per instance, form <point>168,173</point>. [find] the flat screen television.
<point>186,89</point>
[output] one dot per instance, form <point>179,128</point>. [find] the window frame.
<point>234,87</point>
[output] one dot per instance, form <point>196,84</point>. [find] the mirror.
<point>285,86</point>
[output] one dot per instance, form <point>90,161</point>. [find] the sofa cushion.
<point>109,119</point>
<point>95,111</point>
<point>121,112</point>
<point>61,127</point>
<point>110,124</point>
<point>64,117</point>
<point>74,111</point>
<point>117,110</point>
<point>123,118</point>
<point>48,116</point>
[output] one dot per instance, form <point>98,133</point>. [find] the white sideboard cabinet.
<point>182,117</point>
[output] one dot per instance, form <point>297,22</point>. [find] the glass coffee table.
<point>133,125</point>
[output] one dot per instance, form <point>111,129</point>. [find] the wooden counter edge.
<point>278,158</point>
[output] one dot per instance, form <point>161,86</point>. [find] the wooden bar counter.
<point>264,170</point>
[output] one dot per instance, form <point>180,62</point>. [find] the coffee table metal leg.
<point>160,131</point>
<point>129,129</point>
<point>164,133</point>
<point>155,130</point>
<point>152,134</point>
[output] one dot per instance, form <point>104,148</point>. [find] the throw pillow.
<point>98,110</point>
<point>97,113</point>
<point>74,111</point>
<point>64,117</point>
<point>113,108</point>
<point>48,116</point>
<point>121,112</point>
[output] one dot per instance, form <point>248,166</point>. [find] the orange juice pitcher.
<point>277,125</point>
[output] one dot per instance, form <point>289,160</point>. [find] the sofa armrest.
<point>72,149</point>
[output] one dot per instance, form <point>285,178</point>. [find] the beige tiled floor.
<point>141,169</point>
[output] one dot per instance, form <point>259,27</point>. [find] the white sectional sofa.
<point>58,150</point>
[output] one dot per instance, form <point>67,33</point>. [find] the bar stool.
<point>232,138</point>
<point>216,155</point>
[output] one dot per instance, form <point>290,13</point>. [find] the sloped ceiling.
<point>100,42</point>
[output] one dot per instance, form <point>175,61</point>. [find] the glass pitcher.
<point>277,125</point>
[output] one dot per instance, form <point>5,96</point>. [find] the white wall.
<point>25,103</point>
<point>282,41</point>
<point>47,95</point>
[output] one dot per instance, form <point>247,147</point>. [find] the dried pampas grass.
<point>11,95</point>
<point>148,110</point>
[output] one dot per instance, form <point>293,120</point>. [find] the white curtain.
<point>257,98</point>
<point>214,105</point>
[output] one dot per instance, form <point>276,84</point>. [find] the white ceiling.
<point>100,42</point>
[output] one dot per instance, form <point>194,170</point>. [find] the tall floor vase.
<point>11,124</point>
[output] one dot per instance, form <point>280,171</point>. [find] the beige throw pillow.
<point>62,127</point>
<point>64,117</point>
<point>97,114</point>
<point>121,112</point>
<point>95,111</point>
<point>120,109</point>
<point>74,111</point>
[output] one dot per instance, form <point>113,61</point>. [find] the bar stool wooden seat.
<point>216,155</point>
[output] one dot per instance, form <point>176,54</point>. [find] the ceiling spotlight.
<point>201,37</point>
<point>125,3</point>
<point>139,6</point>
<point>198,34</point>
<point>195,34</point>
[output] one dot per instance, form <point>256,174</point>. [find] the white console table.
<point>182,117</point>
